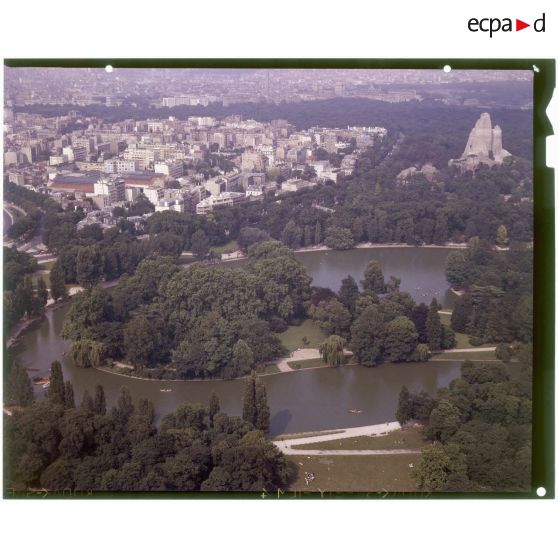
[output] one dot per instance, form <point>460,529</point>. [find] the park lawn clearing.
<point>480,355</point>
<point>293,335</point>
<point>186,258</point>
<point>46,266</point>
<point>355,473</point>
<point>310,363</point>
<point>462,339</point>
<point>409,438</point>
<point>270,368</point>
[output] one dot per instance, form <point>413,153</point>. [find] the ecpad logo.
<point>494,24</point>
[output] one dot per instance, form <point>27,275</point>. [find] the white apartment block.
<point>174,169</point>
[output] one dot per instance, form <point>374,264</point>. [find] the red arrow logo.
<point>519,25</point>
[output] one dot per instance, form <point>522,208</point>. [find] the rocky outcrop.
<point>484,146</point>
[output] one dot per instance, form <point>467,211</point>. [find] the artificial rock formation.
<point>484,146</point>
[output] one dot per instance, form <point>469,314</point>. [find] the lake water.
<point>299,401</point>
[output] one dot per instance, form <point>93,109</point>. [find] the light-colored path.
<point>301,354</point>
<point>370,430</point>
<point>290,451</point>
<point>473,350</point>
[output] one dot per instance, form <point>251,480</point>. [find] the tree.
<point>331,350</point>
<point>461,314</point>
<point>422,352</point>
<point>124,407</point>
<point>56,390</point>
<point>332,317</point>
<point>242,359</point>
<point>444,421</point>
<point>99,403</point>
<point>87,402</point>
<point>400,339</point>
<point>20,390</point>
<point>214,407</point>
<point>317,233</point>
<point>419,316</point>
<point>249,410</point>
<point>503,352</point>
<point>292,235</point>
<point>502,236</point>
<point>262,408</point>
<point>69,400</point>
<point>339,238</point>
<point>57,281</point>
<point>42,292</point>
<point>200,244</point>
<point>89,265</point>
<point>140,340</point>
<point>367,336</point>
<point>374,278</point>
<point>404,407</point>
<point>249,236</point>
<point>434,327</point>
<point>308,235</point>
<point>456,269</point>
<point>441,466</point>
<point>348,293</point>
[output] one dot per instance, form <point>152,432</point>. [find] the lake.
<point>318,399</point>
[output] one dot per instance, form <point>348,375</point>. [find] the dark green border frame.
<point>544,81</point>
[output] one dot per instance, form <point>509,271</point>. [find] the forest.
<point>480,428</point>
<point>497,286</point>
<point>57,445</point>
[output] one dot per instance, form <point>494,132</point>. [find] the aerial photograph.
<point>267,281</point>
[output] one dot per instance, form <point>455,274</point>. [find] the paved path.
<point>301,354</point>
<point>370,430</point>
<point>474,350</point>
<point>290,451</point>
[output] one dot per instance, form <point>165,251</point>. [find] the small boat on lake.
<point>165,390</point>
<point>355,411</point>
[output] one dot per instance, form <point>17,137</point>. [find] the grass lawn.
<point>269,369</point>
<point>231,246</point>
<point>480,355</point>
<point>46,265</point>
<point>355,473</point>
<point>186,258</point>
<point>292,337</point>
<point>310,363</point>
<point>35,278</point>
<point>461,338</point>
<point>400,439</point>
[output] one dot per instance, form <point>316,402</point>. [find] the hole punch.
<point>108,68</point>
<point>541,491</point>
<point>447,68</point>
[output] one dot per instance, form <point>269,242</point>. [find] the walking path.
<point>370,430</point>
<point>300,354</point>
<point>473,350</point>
<point>290,451</point>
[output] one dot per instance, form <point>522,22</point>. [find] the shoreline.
<point>358,246</point>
